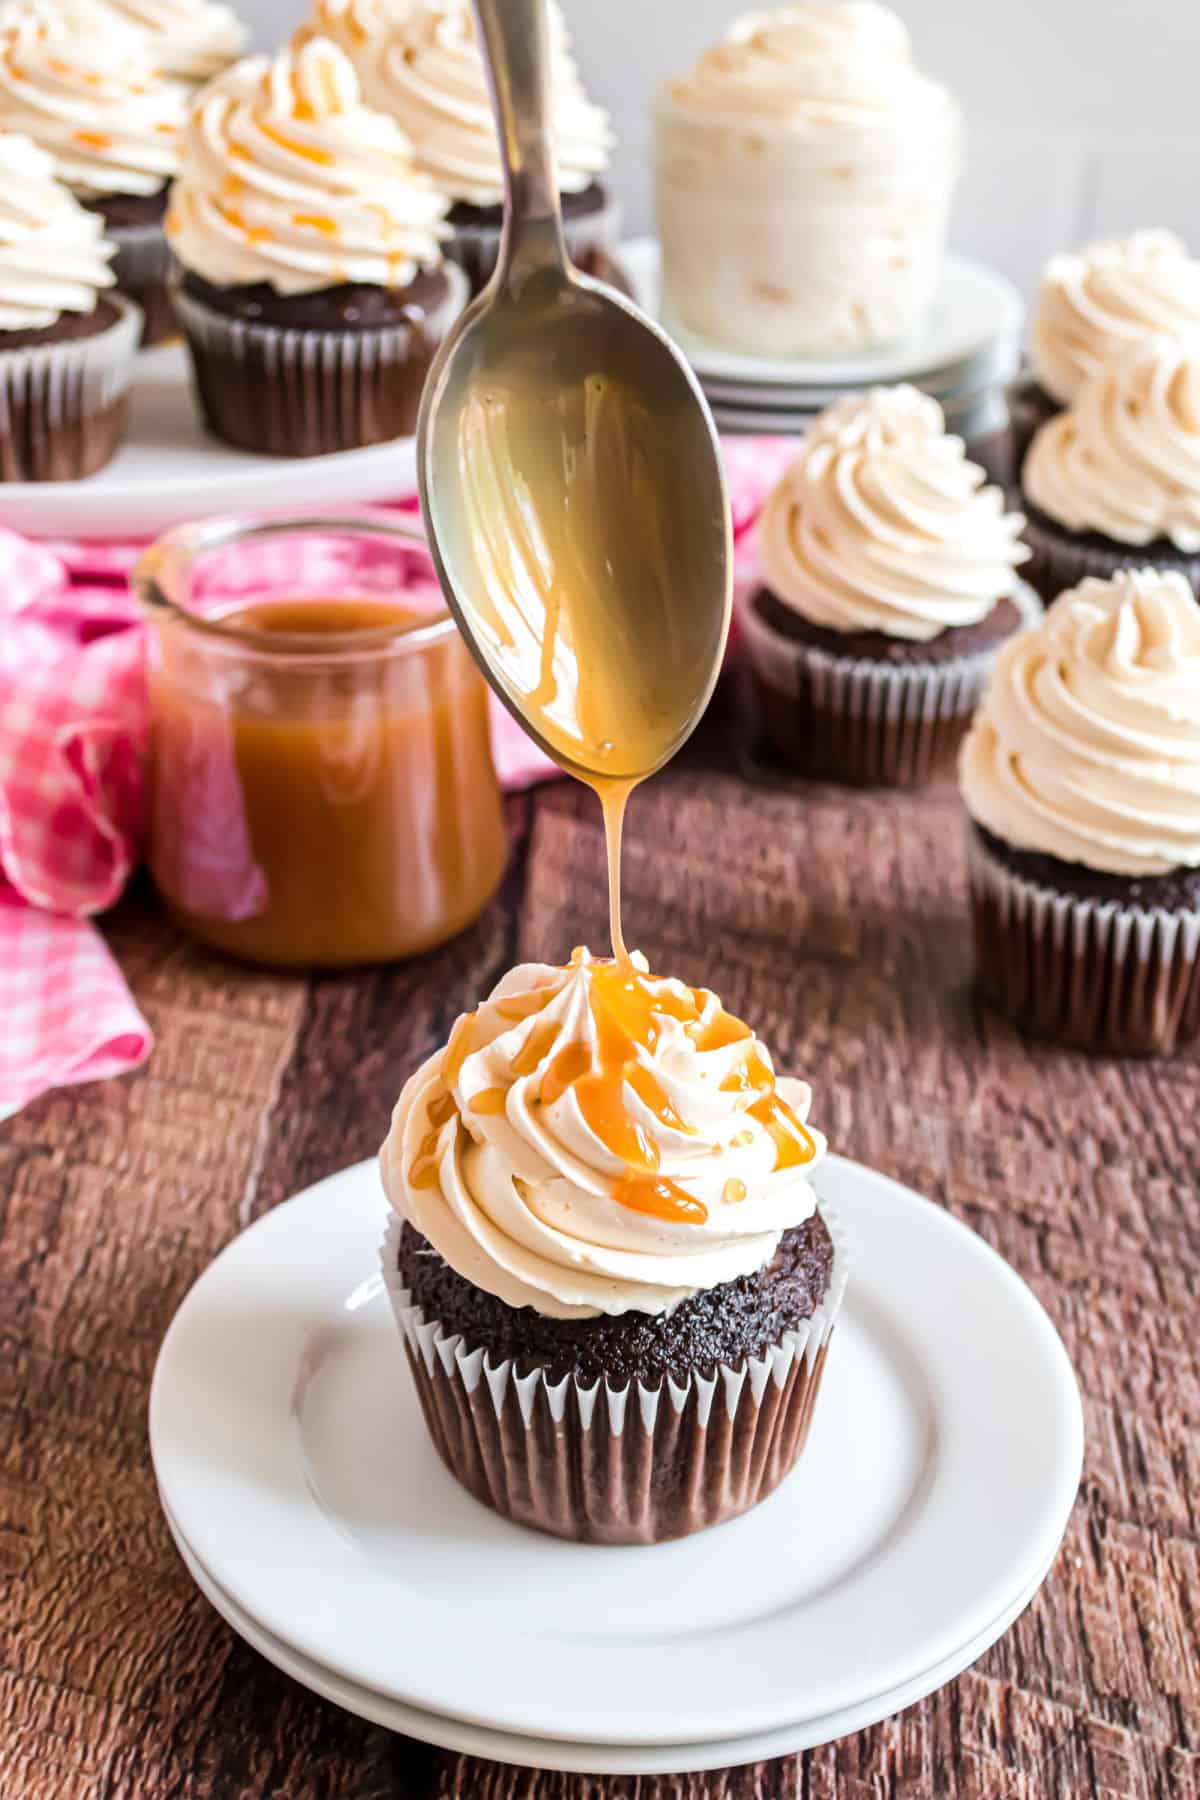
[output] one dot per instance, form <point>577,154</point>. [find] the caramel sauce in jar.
<point>322,785</point>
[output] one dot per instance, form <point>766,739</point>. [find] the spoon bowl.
<point>570,476</point>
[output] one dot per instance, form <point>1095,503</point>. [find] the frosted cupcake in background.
<point>805,170</point>
<point>189,40</point>
<point>66,343</point>
<point>889,581</point>
<point>313,293</point>
<point>85,88</point>
<point>615,1285</point>
<point>1081,775</point>
<point>1091,306</point>
<point>420,61</point>
<point>1115,478</point>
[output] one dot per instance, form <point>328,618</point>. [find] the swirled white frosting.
<point>192,40</point>
<point>426,69</point>
<point>1087,745</point>
<point>804,175</point>
<point>496,1164</point>
<point>86,90</point>
<point>881,523</point>
<point>289,178</point>
<point>53,254</point>
<point>355,26</point>
<point>1094,302</point>
<point>1124,458</point>
<point>823,67</point>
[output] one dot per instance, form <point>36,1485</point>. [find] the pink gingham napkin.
<point>72,795</point>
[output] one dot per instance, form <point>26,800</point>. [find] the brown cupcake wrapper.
<point>1061,561</point>
<point>62,405</point>
<point>869,724</point>
<point>142,267</point>
<point>631,1465</point>
<point>591,242</point>
<point>1091,974</point>
<point>287,392</point>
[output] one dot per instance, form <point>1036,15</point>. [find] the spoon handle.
<point>515,39</point>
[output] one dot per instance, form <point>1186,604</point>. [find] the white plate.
<point>974,306</point>
<point>169,470</point>
<point>951,386</point>
<point>943,1462</point>
<point>980,419</point>
<point>564,1753</point>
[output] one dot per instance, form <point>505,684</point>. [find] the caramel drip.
<point>311,152</point>
<point>535,1047</point>
<point>661,1197</point>
<point>751,1076</point>
<point>793,1144</point>
<point>424,1171</point>
<point>462,1043</point>
<point>570,1063</point>
<point>523,1006</point>
<point>489,1100</point>
<point>253,234</point>
<point>734,1191</point>
<point>316,222</point>
<point>625,1013</point>
<point>720,1030</point>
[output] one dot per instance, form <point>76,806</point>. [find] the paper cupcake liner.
<point>1091,974</point>
<point>591,241</point>
<point>631,1465</point>
<point>1061,559</point>
<point>142,267</point>
<point>870,724</point>
<point>62,405</point>
<point>287,392</point>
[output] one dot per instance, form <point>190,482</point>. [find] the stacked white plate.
<point>309,1505</point>
<point>965,354</point>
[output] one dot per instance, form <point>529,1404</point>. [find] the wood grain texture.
<point>835,921</point>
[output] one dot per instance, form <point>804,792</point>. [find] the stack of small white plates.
<point>309,1505</point>
<point>965,354</point>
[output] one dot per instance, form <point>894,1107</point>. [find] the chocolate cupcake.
<point>84,87</point>
<point>66,346</point>
<point>1115,479</point>
<point>1092,305</point>
<point>1081,775</point>
<point>889,582</point>
<point>312,289</point>
<point>615,1287</point>
<point>421,62</point>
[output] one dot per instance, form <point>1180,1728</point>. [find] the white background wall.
<point>1083,116</point>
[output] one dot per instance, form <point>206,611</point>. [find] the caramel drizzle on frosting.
<point>628,1013</point>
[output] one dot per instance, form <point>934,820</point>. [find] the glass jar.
<point>322,791</point>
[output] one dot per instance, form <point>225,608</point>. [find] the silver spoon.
<point>570,475</point>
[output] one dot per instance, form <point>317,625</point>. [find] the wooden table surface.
<point>833,921</point>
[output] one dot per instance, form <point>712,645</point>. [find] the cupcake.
<point>312,289</point>
<point>804,176</point>
<point>1115,479</point>
<point>86,90</point>
<point>66,344</point>
<point>1092,304</point>
<point>189,40</point>
<point>1081,776</point>
<point>420,61</point>
<point>888,582</point>
<point>614,1283</point>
